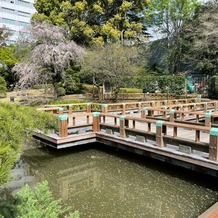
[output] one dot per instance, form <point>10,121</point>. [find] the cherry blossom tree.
<point>49,57</point>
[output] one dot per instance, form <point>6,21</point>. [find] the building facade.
<point>16,15</point>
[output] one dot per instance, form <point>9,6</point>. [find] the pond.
<point>104,182</point>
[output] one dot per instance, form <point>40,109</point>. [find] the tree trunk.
<point>55,85</point>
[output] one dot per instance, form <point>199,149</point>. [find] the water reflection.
<point>101,184</point>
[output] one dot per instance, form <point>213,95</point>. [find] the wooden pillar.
<point>205,107</point>
<point>89,108</point>
<point>197,135</point>
<point>143,113</point>
<point>122,127</point>
<point>174,132</point>
<point>207,119</point>
<point>96,121</point>
<point>123,108</point>
<point>152,103</point>
<point>151,112</point>
<point>69,108</point>
<point>104,108</point>
<point>60,110</point>
<point>62,124</point>
<point>159,134</point>
<point>165,112</point>
<point>139,104</point>
<point>215,106</point>
<point>194,107</point>
<point>172,115</point>
<point>213,145</point>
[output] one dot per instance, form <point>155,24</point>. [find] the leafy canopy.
<point>95,21</point>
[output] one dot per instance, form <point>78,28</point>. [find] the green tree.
<point>167,18</point>
<point>111,63</point>
<point>202,35</point>
<point>95,21</point>
<point>8,59</point>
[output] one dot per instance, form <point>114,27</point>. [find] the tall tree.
<point>167,18</point>
<point>8,59</point>
<point>50,56</point>
<point>112,63</point>
<point>202,34</point>
<point>96,21</point>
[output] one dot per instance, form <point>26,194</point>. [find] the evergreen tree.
<point>95,21</point>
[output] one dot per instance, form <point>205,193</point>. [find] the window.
<point>8,10</point>
<point>23,14</point>
<point>22,2</point>
<point>8,21</point>
<point>21,23</point>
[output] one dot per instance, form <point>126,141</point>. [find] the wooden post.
<point>207,119</point>
<point>152,103</point>
<point>143,113</point>
<point>62,123</point>
<point>123,108</point>
<point>213,144</point>
<point>174,132</point>
<point>205,107</point>
<point>122,127</point>
<point>89,108</point>
<point>215,107</point>
<point>165,102</point>
<point>96,121</point>
<point>104,108</point>
<point>194,107</point>
<point>197,135</point>
<point>165,112</point>
<point>159,134</point>
<point>181,109</point>
<point>139,106</point>
<point>60,110</point>
<point>172,115</point>
<point>70,110</point>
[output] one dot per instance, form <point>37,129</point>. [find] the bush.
<point>130,90</point>
<point>16,126</point>
<point>61,91</point>
<point>3,88</point>
<point>213,87</point>
<point>35,203</point>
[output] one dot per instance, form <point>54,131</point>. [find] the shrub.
<point>35,203</point>
<point>16,126</point>
<point>213,87</point>
<point>61,91</point>
<point>3,88</point>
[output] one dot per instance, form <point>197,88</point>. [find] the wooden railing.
<point>122,108</point>
<point>144,129</point>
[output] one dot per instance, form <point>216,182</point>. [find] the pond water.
<point>102,182</point>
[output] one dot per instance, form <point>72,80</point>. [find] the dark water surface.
<point>112,183</point>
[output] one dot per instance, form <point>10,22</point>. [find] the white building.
<point>16,15</point>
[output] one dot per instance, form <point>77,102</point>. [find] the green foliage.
<point>3,88</point>
<point>202,35</point>
<point>72,81</point>
<point>130,90</point>
<point>66,101</point>
<point>37,203</point>
<point>111,63</point>
<point>95,21</point>
<point>165,84</point>
<point>213,87</point>
<point>167,18</point>
<point>16,125</point>
<point>7,60</point>
<point>61,91</point>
